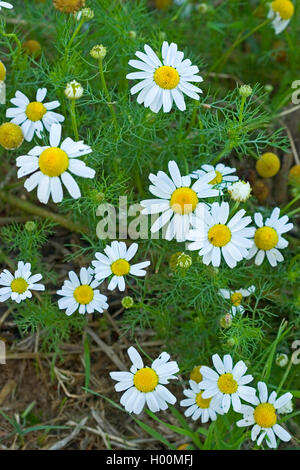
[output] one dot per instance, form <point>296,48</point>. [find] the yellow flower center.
<point>35,111</point>
<point>32,47</point>
<point>68,6</point>
<point>166,77</point>
<point>265,415</point>
<point>196,375</point>
<point>285,8</point>
<point>120,267</point>
<point>184,200</point>
<point>2,72</point>
<point>217,179</point>
<point>53,161</point>
<point>219,235</point>
<point>161,4</point>
<point>202,402</point>
<point>19,285</point>
<point>83,294</point>
<point>145,380</point>
<point>236,299</point>
<point>227,384</point>
<point>11,136</point>
<point>265,238</point>
<point>268,165</point>
<point>294,174</point>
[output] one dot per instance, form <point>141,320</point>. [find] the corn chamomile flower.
<point>264,418</point>
<point>54,164</point>
<point>19,286</point>
<point>223,178</point>
<point>164,82</point>
<point>81,294</point>
<point>226,385</point>
<point>145,385</point>
<point>6,5</point>
<point>116,262</point>
<point>236,298</point>
<point>35,115</point>
<point>199,407</point>
<point>267,238</point>
<point>216,236</point>
<point>178,200</point>
<point>281,12</point>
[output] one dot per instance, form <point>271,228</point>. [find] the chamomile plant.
<point>150,199</point>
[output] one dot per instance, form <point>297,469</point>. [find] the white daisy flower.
<point>226,385</point>
<point>6,5</point>
<point>19,286</point>
<point>81,294</point>
<point>116,262</point>
<point>215,236</point>
<point>267,238</point>
<point>236,297</point>
<point>178,200</point>
<point>281,12</point>
<point>263,417</point>
<point>166,81</point>
<point>199,407</point>
<point>33,116</point>
<point>145,385</point>
<point>54,164</point>
<point>223,178</point>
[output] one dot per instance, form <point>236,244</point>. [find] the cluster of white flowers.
<point>217,391</point>
<point>186,215</point>
<point>79,293</point>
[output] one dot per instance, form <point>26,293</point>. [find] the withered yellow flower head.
<point>11,136</point>
<point>68,6</point>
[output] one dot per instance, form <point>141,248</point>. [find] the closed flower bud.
<point>86,14</point>
<point>73,90</point>
<point>226,321</point>
<point>281,359</point>
<point>132,34</point>
<point>245,90</point>
<point>202,8</point>
<point>98,51</point>
<point>30,226</point>
<point>127,302</point>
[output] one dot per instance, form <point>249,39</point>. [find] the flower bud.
<point>73,90</point>
<point>127,302</point>
<point>98,52</point>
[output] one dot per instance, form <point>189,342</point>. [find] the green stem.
<point>71,41</point>
<point>223,59</point>
<point>287,371</point>
<point>19,47</point>
<point>106,92</point>
<point>39,211</point>
<point>242,109</point>
<point>73,118</point>
<point>290,204</point>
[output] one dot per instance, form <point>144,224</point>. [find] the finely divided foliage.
<point>203,256</point>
